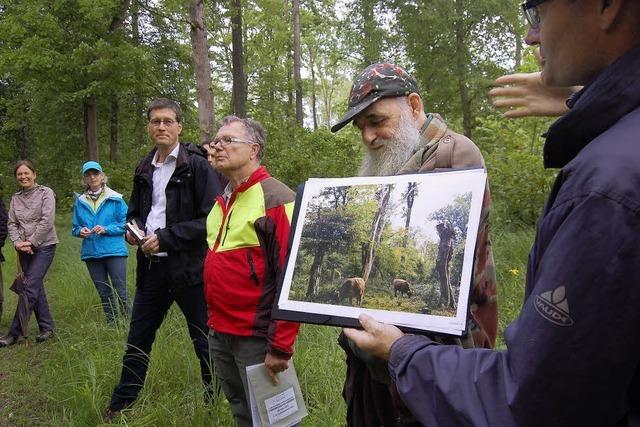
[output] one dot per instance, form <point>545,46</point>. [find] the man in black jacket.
<point>173,191</point>
<point>3,236</point>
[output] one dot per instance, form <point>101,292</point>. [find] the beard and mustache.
<point>395,151</point>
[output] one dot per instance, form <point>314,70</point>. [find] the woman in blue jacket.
<point>99,216</point>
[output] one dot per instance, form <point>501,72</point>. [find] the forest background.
<point>75,79</point>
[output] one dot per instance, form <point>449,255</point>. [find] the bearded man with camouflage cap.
<point>399,138</point>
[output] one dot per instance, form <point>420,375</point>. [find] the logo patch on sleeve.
<point>553,306</point>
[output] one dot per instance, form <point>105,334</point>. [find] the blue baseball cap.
<point>91,165</point>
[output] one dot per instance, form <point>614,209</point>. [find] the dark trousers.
<point>1,291</point>
<point>113,294</point>
<point>150,305</point>
<point>35,267</point>
<point>231,355</point>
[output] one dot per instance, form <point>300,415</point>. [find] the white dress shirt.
<point>162,172</point>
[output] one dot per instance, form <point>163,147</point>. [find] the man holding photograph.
<point>400,138</point>
<point>573,353</point>
<point>248,234</point>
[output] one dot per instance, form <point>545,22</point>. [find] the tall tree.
<point>462,58</point>
<point>113,147</point>
<point>314,101</point>
<point>467,43</point>
<point>239,95</point>
<point>90,128</point>
<point>371,33</point>
<point>202,69</point>
<point>295,12</point>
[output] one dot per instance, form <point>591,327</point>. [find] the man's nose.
<point>368,135</point>
<point>533,36</point>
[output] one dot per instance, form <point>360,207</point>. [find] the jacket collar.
<point>30,190</point>
<point>109,193</point>
<point>614,93</point>
<point>182,160</point>
<point>430,135</point>
<point>258,175</point>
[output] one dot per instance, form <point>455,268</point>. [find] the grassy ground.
<point>68,380</point>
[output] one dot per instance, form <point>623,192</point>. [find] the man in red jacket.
<point>247,234</point>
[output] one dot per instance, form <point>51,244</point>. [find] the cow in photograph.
<point>351,288</point>
<point>402,286</point>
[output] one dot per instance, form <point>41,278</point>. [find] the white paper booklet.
<point>280,405</point>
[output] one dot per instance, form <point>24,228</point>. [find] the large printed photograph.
<point>400,247</point>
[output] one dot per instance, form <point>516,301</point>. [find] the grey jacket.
<point>31,216</point>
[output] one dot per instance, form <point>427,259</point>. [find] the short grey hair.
<point>254,129</point>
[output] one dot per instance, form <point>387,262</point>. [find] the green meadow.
<point>68,380</point>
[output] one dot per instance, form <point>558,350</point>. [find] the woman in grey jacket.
<point>31,229</point>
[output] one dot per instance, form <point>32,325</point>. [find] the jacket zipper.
<point>252,269</point>
<point>226,230</point>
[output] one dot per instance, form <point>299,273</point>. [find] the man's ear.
<point>415,103</point>
<point>609,13</point>
<point>255,149</point>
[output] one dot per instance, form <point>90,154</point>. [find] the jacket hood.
<point>614,93</point>
<point>108,192</point>
<point>195,149</point>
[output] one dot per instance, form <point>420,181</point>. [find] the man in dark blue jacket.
<point>573,354</point>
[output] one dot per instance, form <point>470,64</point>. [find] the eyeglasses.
<point>227,140</point>
<point>157,122</point>
<point>530,9</point>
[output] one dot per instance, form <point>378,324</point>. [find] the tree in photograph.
<point>370,247</point>
<point>446,234</point>
<point>409,196</point>
<point>456,214</point>
<point>326,233</point>
<point>452,221</point>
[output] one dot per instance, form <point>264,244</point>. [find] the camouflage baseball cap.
<point>375,82</point>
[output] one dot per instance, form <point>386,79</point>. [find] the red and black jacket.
<point>247,238</point>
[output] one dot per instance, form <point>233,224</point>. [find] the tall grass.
<point>68,380</point>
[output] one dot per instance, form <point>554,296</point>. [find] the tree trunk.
<point>139,128</point>
<point>443,262</point>
<point>410,197</point>
<point>23,147</point>
<point>295,11</point>
<point>113,147</point>
<point>200,53</point>
<point>239,93</point>
<point>518,58</point>
<point>461,66</point>
<point>314,110</point>
<point>90,129</point>
<point>135,25</point>
<point>371,37</point>
<point>315,274</point>
<point>369,253</point>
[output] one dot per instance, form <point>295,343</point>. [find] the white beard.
<point>395,152</point>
